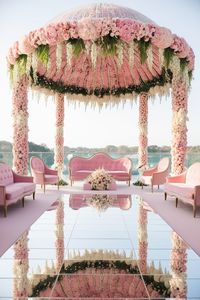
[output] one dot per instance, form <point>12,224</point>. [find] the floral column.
<point>178,282</point>
<point>59,243</point>
<point>59,138</point>
<point>20,125</point>
<point>20,268</point>
<point>143,122</point>
<point>180,83</point>
<point>142,239</point>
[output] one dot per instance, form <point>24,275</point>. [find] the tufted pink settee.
<point>14,187</point>
<point>185,186</point>
<point>80,168</point>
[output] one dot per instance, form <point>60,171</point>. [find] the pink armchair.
<point>157,174</point>
<point>42,174</point>
<point>185,186</point>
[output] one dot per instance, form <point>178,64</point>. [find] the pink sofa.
<point>157,174</point>
<point>14,187</point>
<point>80,168</point>
<point>185,186</point>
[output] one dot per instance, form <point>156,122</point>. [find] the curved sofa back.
<point>6,174</point>
<point>193,174</point>
<point>100,160</point>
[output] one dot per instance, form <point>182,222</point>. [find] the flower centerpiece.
<point>100,202</point>
<point>100,180</point>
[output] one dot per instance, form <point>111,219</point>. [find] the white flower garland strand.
<point>69,53</point>
<point>59,55</point>
<point>131,50</point>
<point>150,57</point>
<point>94,54</point>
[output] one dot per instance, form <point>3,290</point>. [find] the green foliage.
<point>183,64</point>
<point>100,264</point>
<point>143,46</point>
<point>77,46</point>
<point>190,75</point>
<point>42,52</point>
<point>59,87</point>
<point>139,183</point>
<point>21,64</point>
<point>168,54</point>
<point>108,45</point>
<point>62,182</point>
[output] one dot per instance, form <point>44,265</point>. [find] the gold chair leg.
<point>165,196</point>
<point>152,188</point>
<point>23,202</point>
<point>44,189</point>
<point>5,210</point>
<point>58,185</point>
<point>194,210</point>
<point>176,202</point>
<point>158,187</point>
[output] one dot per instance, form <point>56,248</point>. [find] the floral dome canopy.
<point>98,51</point>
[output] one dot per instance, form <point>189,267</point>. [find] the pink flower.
<point>162,37</point>
<point>191,58</point>
<point>87,29</point>
<point>24,45</point>
<point>10,57</point>
<point>51,34</point>
<point>180,45</point>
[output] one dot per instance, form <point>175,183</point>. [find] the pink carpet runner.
<point>19,219</point>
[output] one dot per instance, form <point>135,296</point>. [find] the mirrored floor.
<point>100,247</point>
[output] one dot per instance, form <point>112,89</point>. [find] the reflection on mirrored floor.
<point>100,247</point>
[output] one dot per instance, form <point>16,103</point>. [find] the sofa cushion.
<point>14,191</point>
<point>182,189</point>
<point>6,174</point>
<point>28,187</point>
<point>50,179</point>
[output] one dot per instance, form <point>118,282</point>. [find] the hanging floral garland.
<point>97,38</point>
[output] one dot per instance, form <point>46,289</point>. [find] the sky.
<point>110,126</point>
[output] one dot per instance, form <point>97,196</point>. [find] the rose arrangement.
<point>100,202</point>
<point>100,180</point>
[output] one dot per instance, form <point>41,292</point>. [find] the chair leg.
<point>152,188</point>
<point>129,182</point>
<point>158,187</point>
<point>176,202</point>
<point>165,196</point>
<point>142,185</point>
<point>23,202</point>
<point>44,189</point>
<point>33,195</point>
<point>58,185</point>
<point>5,210</point>
<point>70,182</point>
<point>194,210</point>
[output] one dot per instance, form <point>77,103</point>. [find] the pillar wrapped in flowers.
<point>59,136</point>
<point>142,239</point>
<point>143,123</point>
<point>178,282</point>
<point>20,125</point>
<point>20,268</point>
<point>179,126</point>
<point>59,231</point>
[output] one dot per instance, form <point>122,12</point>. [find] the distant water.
<point>48,158</point>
